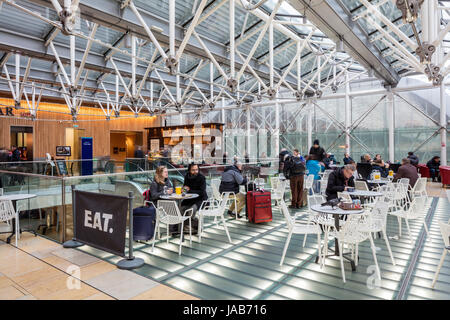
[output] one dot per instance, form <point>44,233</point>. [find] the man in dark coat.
<point>294,170</point>
<point>194,182</point>
<point>407,170</point>
<point>433,165</point>
<point>347,159</point>
<point>282,157</point>
<point>231,180</point>
<point>339,180</point>
<point>317,150</point>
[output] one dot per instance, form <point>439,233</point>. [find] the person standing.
<point>224,158</point>
<point>433,165</point>
<point>15,155</point>
<point>294,170</point>
<point>282,157</point>
<point>313,167</point>
<point>317,150</point>
<point>138,153</point>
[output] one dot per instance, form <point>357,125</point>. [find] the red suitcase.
<point>259,206</point>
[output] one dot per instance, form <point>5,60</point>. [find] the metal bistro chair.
<point>216,209</point>
<point>420,188</point>
<point>353,232</point>
<point>169,214</point>
<point>309,184</point>
<point>361,185</point>
<point>376,222</point>
<point>277,194</point>
<point>299,227</point>
<point>445,232</point>
<point>412,210</point>
<point>7,213</point>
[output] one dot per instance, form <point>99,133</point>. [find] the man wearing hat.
<point>317,150</point>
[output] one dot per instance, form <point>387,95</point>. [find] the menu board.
<point>154,145</point>
<point>62,167</point>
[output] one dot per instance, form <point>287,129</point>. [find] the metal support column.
<point>248,130</point>
<point>277,128</point>
<point>347,113</point>
<point>443,122</point>
<point>17,77</point>
<point>391,124</point>
<point>310,124</point>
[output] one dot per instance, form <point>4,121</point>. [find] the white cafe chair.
<point>216,209</point>
<point>169,214</point>
<point>7,213</point>
<point>445,232</point>
<point>412,210</point>
<point>299,227</point>
<point>353,232</point>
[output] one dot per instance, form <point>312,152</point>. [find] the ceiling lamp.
<point>128,40</point>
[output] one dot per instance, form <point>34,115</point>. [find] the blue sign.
<point>86,156</point>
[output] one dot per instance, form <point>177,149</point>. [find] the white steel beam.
<point>443,122</point>
<point>391,124</point>
<point>148,31</point>
<point>190,29</point>
<point>347,113</point>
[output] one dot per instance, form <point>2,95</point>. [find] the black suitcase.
<point>144,220</point>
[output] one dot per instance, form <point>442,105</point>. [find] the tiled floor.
<point>249,268</point>
<point>42,269</point>
<point>246,269</point>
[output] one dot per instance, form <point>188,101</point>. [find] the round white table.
<point>337,213</point>
<point>14,198</point>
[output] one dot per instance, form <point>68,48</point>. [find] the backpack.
<point>296,166</point>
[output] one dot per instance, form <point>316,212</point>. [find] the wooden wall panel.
<point>49,131</point>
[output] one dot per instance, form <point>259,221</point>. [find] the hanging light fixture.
<point>127,40</point>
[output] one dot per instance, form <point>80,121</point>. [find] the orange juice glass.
<point>178,190</point>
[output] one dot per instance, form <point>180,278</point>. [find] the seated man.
<point>231,180</point>
<point>194,182</point>
<point>433,165</point>
<point>339,181</point>
<point>366,158</point>
<point>407,170</point>
<point>326,161</point>
<point>347,159</point>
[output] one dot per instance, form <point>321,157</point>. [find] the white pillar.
<point>232,45</point>
<point>133,65</point>
<point>17,76</point>
<point>277,127</point>
<point>310,124</point>
<point>391,124</point>
<point>271,55</point>
<point>172,28</point>
<point>443,125</point>
<point>347,113</point>
<point>248,130</point>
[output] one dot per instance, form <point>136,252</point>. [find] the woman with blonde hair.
<point>160,182</point>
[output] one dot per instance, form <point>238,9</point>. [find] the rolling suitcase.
<point>259,206</point>
<point>144,220</point>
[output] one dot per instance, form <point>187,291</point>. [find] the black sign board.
<point>101,221</point>
<point>62,167</point>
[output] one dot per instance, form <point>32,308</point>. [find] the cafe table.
<point>337,214</point>
<point>14,198</point>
